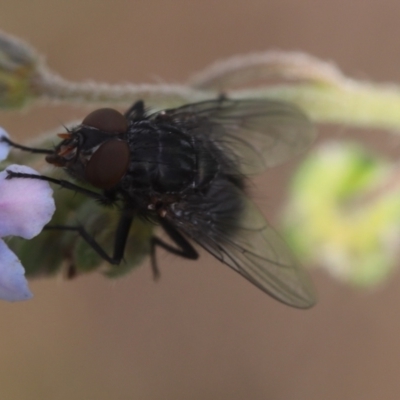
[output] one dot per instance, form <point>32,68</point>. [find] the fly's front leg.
<point>25,148</point>
<point>121,236</point>
<point>89,239</point>
<point>62,183</point>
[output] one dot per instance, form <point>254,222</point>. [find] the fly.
<point>185,169</point>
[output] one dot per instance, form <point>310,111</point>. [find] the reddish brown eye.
<point>107,120</point>
<point>108,164</point>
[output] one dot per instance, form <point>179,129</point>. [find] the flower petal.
<point>4,147</point>
<point>13,284</point>
<point>26,205</point>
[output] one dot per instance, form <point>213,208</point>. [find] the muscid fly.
<point>185,169</point>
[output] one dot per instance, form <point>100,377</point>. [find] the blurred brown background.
<point>202,332</point>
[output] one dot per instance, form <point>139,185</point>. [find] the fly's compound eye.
<point>108,164</point>
<point>107,120</point>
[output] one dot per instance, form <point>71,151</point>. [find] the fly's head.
<point>95,151</point>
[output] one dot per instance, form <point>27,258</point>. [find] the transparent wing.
<point>256,133</point>
<point>228,225</point>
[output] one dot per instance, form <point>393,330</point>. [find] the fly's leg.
<point>122,233</point>
<point>87,238</point>
<point>222,97</point>
<point>136,111</point>
<point>124,223</point>
<point>25,148</point>
<point>103,198</point>
<point>185,250</point>
<point>121,236</point>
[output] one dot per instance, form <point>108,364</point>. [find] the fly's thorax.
<point>164,159</point>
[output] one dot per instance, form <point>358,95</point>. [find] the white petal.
<point>26,205</point>
<point>13,284</point>
<point>4,147</point>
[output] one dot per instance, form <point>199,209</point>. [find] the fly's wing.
<point>255,133</point>
<point>228,225</point>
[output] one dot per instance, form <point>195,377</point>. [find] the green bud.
<point>18,69</point>
<point>344,213</point>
